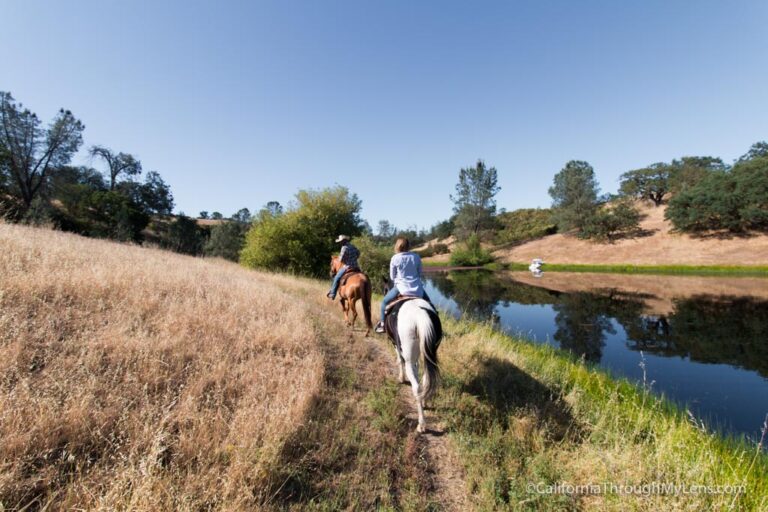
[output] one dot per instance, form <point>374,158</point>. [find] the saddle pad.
<point>398,302</point>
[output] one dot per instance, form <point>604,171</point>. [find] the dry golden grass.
<point>662,247</point>
<point>135,378</point>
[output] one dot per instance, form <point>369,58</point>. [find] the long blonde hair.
<point>402,245</point>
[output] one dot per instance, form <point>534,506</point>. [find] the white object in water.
<point>535,265</point>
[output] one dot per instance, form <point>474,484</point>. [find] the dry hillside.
<point>136,378</point>
<point>660,247</point>
<point>141,379</point>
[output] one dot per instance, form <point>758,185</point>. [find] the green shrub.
<point>434,249</point>
<point>524,224</point>
<point>374,260</point>
<point>471,254</point>
<point>226,241</point>
<point>612,221</point>
<point>301,240</point>
<point>181,234</point>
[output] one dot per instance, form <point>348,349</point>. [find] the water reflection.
<point>703,328</point>
<point>705,350</point>
<point>727,330</point>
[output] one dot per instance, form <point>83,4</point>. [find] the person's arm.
<point>392,269</point>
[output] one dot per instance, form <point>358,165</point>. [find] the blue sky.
<point>240,103</point>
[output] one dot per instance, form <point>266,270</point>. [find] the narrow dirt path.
<point>447,475</point>
<point>373,359</point>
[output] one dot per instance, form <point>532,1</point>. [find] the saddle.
<point>349,273</point>
<point>390,319</point>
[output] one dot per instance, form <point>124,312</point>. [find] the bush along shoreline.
<point>536,428</point>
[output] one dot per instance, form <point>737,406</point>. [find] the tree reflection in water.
<point>709,329</point>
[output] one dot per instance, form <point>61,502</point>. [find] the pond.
<point>703,340</point>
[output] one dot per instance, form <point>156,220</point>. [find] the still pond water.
<point>704,339</point>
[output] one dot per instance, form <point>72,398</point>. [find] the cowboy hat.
<point>342,238</point>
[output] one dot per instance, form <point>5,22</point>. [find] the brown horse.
<point>357,287</point>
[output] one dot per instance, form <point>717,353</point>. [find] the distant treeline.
<point>39,186</point>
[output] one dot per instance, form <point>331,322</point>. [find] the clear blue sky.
<point>240,103</point>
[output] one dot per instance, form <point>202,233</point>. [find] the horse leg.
<point>353,310</point>
<point>343,303</point>
<point>412,370</point>
<point>401,366</point>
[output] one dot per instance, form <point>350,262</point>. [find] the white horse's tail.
<point>430,332</point>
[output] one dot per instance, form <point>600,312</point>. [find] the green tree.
<point>155,195</point>
<point>474,203</point>
<point>217,216</point>
<point>612,221</point>
<point>690,170</point>
<point>5,170</point>
<point>117,163</point>
<point>243,215</point>
<point>651,182</point>
<point>203,215</point>
<point>33,152</point>
<point>751,189</point>
<point>757,150</point>
<point>442,229</point>
<point>69,175</point>
<point>385,231</point>
<point>100,213</point>
<point>710,204</point>
<point>184,235</point>
<point>574,195</point>
<point>226,241</point>
<point>524,224</point>
<point>374,259</point>
<point>301,240</point>
<point>274,208</point>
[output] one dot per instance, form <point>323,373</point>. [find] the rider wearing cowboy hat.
<point>348,256</point>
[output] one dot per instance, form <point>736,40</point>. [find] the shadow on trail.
<point>509,390</point>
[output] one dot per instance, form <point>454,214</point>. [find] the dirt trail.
<point>376,362</point>
<point>446,471</point>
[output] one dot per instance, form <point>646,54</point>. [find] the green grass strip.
<point>758,270</point>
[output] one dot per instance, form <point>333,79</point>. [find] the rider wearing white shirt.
<point>405,272</point>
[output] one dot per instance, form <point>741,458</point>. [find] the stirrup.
<point>380,328</point>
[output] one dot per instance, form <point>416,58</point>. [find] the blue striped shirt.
<point>349,255</point>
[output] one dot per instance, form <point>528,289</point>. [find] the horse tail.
<point>430,332</point>
<point>367,302</point>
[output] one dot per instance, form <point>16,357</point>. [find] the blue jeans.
<point>392,295</point>
<point>335,285</point>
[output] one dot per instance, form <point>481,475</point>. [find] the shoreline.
<point>514,398</point>
<point>620,268</point>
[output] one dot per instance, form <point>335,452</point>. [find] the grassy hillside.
<point>140,378</point>
<point>658,245</point>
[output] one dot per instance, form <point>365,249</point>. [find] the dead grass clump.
<point>135,378</point>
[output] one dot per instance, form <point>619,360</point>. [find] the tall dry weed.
<point>136,378</point>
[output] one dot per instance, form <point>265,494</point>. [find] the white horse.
<point>420,332</point>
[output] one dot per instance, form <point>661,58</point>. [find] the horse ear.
<point>385,279</point>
